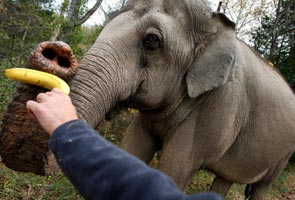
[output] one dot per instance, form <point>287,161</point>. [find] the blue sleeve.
<point>100,170</point>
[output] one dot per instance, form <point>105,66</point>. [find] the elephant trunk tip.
<point>54,57</point>
<point>61,61</point>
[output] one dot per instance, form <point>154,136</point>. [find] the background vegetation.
<point>267,26</point>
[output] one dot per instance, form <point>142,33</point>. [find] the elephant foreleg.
<point>221,186</point>
<point>179,159</point>
<point>259,189</point>
<point>138,141</point>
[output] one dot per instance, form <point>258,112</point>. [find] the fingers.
<point>32,106</point>
<point>56,90</point>
<point>41,97</point>
<point>48,99</point>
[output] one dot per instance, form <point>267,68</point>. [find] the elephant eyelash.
<point>152,42</point>
<point>143,58</point>
<point>197,44</point>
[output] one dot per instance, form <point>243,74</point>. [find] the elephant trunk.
<point>23,143</point>
<point>91,106</point>
<point>95,88</point>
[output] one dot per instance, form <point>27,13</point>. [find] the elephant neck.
<point>166,119</point>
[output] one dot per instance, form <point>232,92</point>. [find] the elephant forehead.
<point>169,6</point>
<point>195,13</point>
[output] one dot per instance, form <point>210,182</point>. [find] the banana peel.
<point>38,78</point>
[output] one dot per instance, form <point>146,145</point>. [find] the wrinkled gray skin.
<point>205,98</point>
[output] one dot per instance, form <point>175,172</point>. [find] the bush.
<point>292,159</point>
<point>7,87</point>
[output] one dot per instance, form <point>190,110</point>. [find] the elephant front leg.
<point>179,159</point>
<point>221,186</point>
<point>139,141</point>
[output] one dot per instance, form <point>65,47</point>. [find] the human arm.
<point>100,170</point>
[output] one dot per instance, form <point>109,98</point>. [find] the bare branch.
<point>89,13</point>
<point>245,18</point>
<point>123,4</point>
<point>219,6</point>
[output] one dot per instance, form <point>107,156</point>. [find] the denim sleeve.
<point>100,170</point>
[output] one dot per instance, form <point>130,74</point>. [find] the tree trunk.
<point>56,32</point>
<point>89,13</point>
<point>27,29</point>
<point>74,11</point>
<point>274,37</point>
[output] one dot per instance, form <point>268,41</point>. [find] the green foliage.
<point>292,159</point>
<point>288,68</point>
<point>23,25</point>
<point>80,38</point>
<point>74,39</point>
<point>275,39</point>
<point>261,36</point>
<point>7,86</point>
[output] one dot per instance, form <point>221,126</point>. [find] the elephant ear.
<point>215,66</point>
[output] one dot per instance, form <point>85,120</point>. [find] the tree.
<point>246,14</point>
<point>275,38</point>
<point>2,7</point>
<point>111,12</point>
<point>288,68</point>
<point>282,30</point>
<point>77,14</point>
<point>24,23</point>
<point>76,10</point>
<point>59,21</point>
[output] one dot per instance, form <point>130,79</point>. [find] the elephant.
<point>205,98</point>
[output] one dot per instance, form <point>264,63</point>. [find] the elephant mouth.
<point>134,101</point>
<point>130,102</point>
<point>23,143</point>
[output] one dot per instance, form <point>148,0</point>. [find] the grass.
<point>27,186</point>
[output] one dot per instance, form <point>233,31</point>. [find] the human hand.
<point>52,109</point>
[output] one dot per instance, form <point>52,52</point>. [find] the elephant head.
<point>151,55</point>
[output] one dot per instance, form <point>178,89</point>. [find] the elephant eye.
<point>151,42</point>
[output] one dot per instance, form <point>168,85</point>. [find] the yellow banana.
<point>39,78</point>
